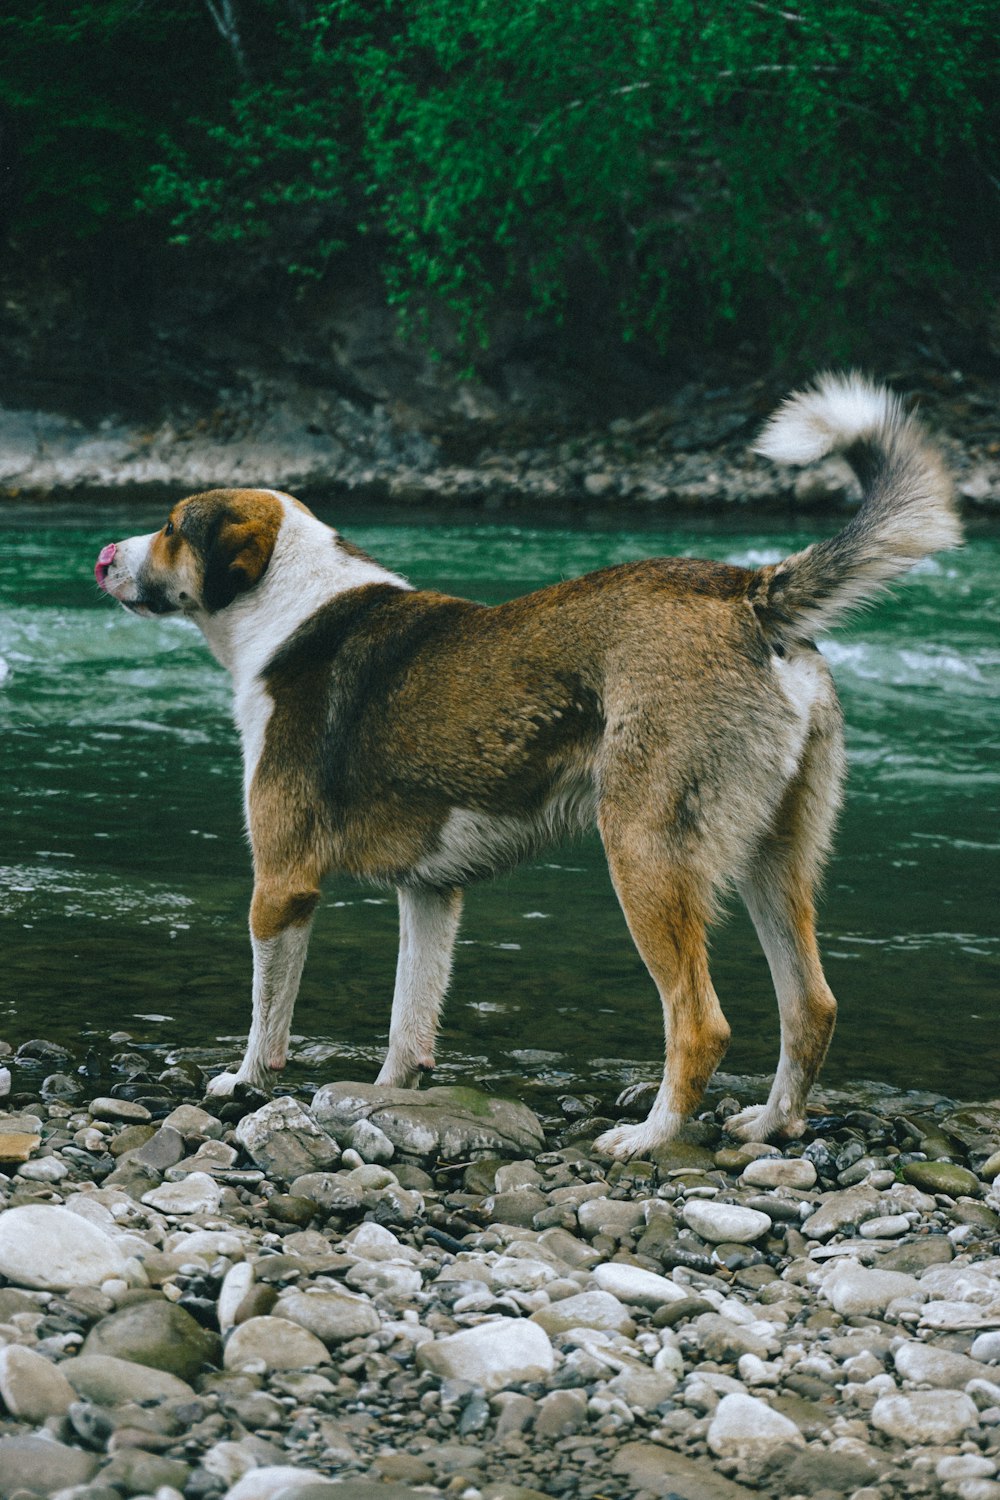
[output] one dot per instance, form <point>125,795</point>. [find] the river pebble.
<point>255,1299</point>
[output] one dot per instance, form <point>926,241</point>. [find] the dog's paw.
<point>224,1085</point>
<point>762,1123</point>
<point>630,1096</point>
<point>626,1141</point>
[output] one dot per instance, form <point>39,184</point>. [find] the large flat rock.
<point>447,1122</point>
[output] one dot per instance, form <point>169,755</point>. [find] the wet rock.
<point>448,1122</point>
<point>155,1333</point>
<point>939,1416</point>
<point>610,1216</point>
<point>50,1248</point>
<point>746,1425</point>
<point>32,1387</point>
<point>721,1222</point>
<point>120,1109</point>
<point>652,1469</point>
<point>494,1355</point>
<point>273,1344</point>
<point>39,1466</point>
<point>942,1177</point>
<point>371,1143</point>
<point>284,1140</point>
<point>917,1255</point>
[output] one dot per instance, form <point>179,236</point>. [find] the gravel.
<point>250,1299</point>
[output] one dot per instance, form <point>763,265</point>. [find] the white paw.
<point>626,1141</point>
<point>633,1093</point>
<point>223,1085</point>
<point>762,1123</point>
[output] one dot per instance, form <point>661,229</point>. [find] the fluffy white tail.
<point>907,511</point>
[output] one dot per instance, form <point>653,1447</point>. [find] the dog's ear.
<point>236,559</point>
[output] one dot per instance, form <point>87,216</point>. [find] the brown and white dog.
<point>423,742</point>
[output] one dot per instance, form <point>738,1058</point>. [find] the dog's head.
<point>212,549</point>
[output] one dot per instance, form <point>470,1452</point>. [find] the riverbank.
<point>437,1292</point>
<point>688,454</point>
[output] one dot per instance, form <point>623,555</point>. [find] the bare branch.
<point>223,13</point>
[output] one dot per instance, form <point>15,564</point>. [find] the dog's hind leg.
<point>428,926</point>
<point>667,907</point>
<point>280,922</point>
<point>778,892</point>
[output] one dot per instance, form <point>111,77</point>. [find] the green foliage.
<point>779,166</point>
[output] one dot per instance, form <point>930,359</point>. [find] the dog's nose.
<point>104,560</point>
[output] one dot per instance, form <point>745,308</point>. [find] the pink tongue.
<point>104,559</point>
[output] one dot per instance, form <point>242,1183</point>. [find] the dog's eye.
<point>168,530</point>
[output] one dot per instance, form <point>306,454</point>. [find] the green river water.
<point>124,877</point>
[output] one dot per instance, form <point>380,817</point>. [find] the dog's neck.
<point>245,635</point>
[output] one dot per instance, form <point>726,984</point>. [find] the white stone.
<point>332,1314</point>
<point>925,1417</point>
<point>45,1169</point>
<point>779,1171</point>
<point>986,1347</point>
<point>279,1344</point>
<point>52,1249</point>
<point>520,1273</point>
<point>635,1285</point>
<point>598,1310</point>
<point>393,1278</point>
<point>744,1426</point>
<point>236,1284</point>
<point>505,1352</point>
<point>195,1194</point>
<point>274,1481</point>
<point>723,1222</point>
<point>958,1466</point>
<point>371,1143</point>
<point>889,1227</point>
<point>32,1387</point>
<point>858,1291</point>
<point>951,1316</point>
<point>926,1365</point>
<point>374,1242</point>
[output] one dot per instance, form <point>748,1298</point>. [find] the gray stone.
<point>285,1141</point>
<point>842,1211</point>
<point>331,1314</point>
<point>745,1426</point>
<point>120,1109</point>
<point>112,1382</point>
<point>52,1249</point>
<point>926,1365</point>
<point>189,1120</point>
<point>916,1255</point>
<point>987,1347</point>
<point>857,1291</point>
<point>140,1473</point>
<point>371,1143</point>
<point>588,1310</point>
<point>722,1223</point>
<point>925,1417</point>
<point>155,1333</point>
<point>195,1194</point>
<point>494,1355</point>
<point>724,1341</point>
<point>33,1387</point>
<point>275,1344</point>
<point>634,1285</point>
<point>560,1414</point>
<point>42,1467</point>
<point>333,1192</point>
<point>779,1171</point>
<point>655,1470</point>
<point>611,1216</point>
<point>450,1122</point>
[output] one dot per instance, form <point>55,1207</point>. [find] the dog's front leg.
<point>280,922</point>
<point>428,925</point>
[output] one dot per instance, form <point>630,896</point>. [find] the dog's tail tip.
<point>832,414</point>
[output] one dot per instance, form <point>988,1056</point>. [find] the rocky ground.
<point>689,453</point>
<point>436,1293</point>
